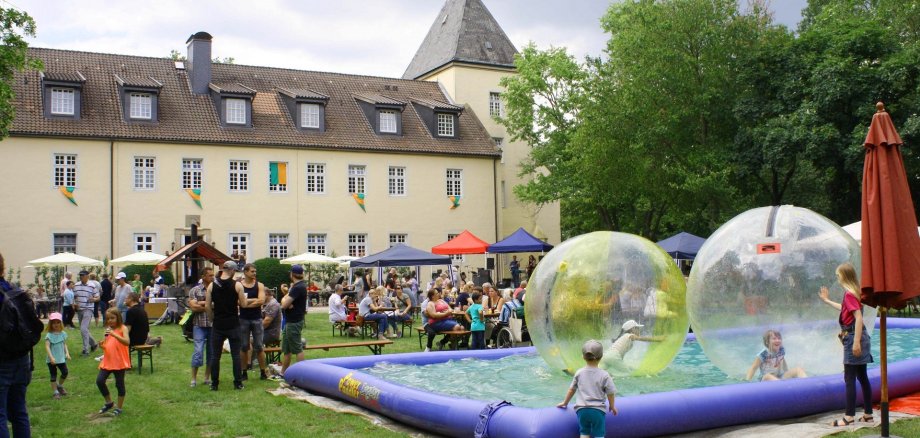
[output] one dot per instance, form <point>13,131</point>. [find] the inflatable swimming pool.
<point>653,414</point>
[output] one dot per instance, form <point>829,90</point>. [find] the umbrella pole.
<point>883,309</point>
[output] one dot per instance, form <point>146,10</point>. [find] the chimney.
<point>199,62</point>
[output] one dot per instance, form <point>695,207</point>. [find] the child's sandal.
<point>866,418</point>
<point>842,422</point>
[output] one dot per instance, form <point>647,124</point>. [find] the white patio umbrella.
<point>138,258</point>
<point>855,230</point>
<point>309,258</point>
<point>344,261</point>
<point>64,259</point>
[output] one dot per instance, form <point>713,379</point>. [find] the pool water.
<point>526,380</point>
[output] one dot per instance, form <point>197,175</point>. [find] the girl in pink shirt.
<point>856,344</point>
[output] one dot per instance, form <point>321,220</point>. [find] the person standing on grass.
<point>106,295</point>
<point>137,325</point>
<point>122,289</point>
<point>223,302</point>
<point>58,354</point>
<point>97,286</point>
<point>115,360</point>
<point>84,298</point>
<point>201,326</point>
<point>67,307</point>
<point>137,284</point>
<point>294,306</point>
<point>251,319</point>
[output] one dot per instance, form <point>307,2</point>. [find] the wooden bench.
<point>376,347</point>
<point>272,353</point>
<point>453,337</point>
<point>143,351</point>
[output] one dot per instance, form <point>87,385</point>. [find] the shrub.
<point>146,274</point>
<point>272,273</point>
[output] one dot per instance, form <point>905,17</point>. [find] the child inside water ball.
<point>772,360</point>
<point>629,332</point>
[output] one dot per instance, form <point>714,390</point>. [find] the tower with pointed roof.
<point>468,53</point>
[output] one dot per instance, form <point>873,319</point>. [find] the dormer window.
<point>61,94</point>
<point>383,113</point>
<point>233,103</point>
<point>141,106</point>
<point>139,98</point>
<point>62,101</point>
<point>440,118</point>
<point>445,125</point>
<point>307,108</point>
<point>387,121</point>
<point>235,111</point>
<point>309,115</point>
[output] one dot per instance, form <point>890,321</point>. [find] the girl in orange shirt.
<point>115,360</point>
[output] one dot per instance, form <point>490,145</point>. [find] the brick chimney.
<point>199,62</point>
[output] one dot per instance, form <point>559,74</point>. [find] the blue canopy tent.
<point>518,241</point>
<point>401,255</point>
<point>682,246</point>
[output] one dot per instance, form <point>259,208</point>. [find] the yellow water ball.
<point>617,288</point>
<point>762,271</point>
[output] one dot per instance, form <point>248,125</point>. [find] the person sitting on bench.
<point>440,319</point>
<point>137,327</point>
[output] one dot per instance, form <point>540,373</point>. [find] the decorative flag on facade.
<point>67,191</point>
<point>277,173</point>
<point>359,198</point>
<point>455,201</point>
<point>196,195</point>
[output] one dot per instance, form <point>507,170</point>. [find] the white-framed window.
<point>357,245</point>
<point>239,244</point>
<point>309,115</point>
<point>454,182</point>
<point>446,125</point>
<point>316,178</point>
<point>457,259</point>
<point>62,101</point>
<point>64,242</point>
<point>278,246</point>
<point>397,181</point>
<point>388,121</point>
<point>236,111</point>
<point>495,104</point>
<point>141,106</point>
<point>145,242</point>
<point>145,173</point>
<point>191,173</point>
<point>500,142</point>
<point>65,170</point>
<point>397,238</point>
<point>239,175</point>
<point>277,176</point>
<point>316,243</point>
<point>356,178</point>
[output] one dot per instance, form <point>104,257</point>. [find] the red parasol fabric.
<point>465,243</point>
<point>890,244</point>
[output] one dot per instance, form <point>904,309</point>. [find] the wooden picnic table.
<point>376,347</point>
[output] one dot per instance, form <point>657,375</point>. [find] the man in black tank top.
<point>223,301</point>
<point>251,318</point>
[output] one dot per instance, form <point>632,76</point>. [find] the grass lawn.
<point>163,405</point>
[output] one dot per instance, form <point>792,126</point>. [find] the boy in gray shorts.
<point>592,385</point>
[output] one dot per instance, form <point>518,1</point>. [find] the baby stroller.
<point>514,334</point>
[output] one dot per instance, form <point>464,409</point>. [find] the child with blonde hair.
<point>772,360</point>
<point>58,354</point>
<point>856,344</point>
<point>115,360</point>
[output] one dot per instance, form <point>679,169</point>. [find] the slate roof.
<point>437,105</point>
<point>464,31</point>
<point>187,118</point>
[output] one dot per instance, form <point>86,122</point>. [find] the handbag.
<point>186,321</point>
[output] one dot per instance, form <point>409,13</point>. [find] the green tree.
<point>14,57</point>
<point>176,55</point>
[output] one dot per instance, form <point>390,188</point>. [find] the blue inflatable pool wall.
<point>653,414</point>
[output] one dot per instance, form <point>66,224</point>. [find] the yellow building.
<point>111,154</point>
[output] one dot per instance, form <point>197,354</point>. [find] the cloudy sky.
<point>372,37</point>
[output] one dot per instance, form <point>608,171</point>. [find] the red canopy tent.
<point>465,243</point>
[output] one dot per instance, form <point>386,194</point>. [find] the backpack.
<point>20,328</point>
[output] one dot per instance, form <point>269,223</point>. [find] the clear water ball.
<point>762,271</point>
<point>589,286</point>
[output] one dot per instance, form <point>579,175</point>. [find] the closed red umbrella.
<point>890,244</point>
